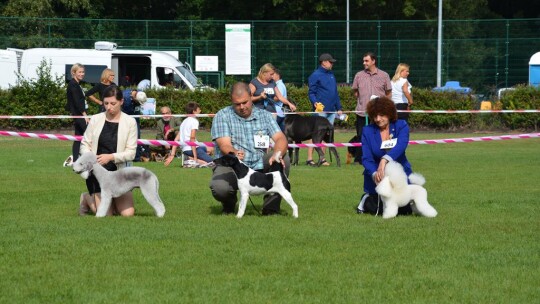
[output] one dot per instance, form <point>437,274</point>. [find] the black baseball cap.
<point>326,57</point>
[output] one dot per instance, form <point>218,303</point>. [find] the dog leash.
<point>378,204</point>
<point>252,204</point>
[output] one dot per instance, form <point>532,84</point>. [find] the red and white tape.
<point>336,145</point>
<point>212,115</point>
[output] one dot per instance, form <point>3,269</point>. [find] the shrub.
<point>524,97</point>
<point>46,96</point>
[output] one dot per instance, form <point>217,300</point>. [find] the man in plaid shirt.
<point>368,82</point>
<point>246,131</point>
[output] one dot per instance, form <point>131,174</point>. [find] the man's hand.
<point>240,154</point>
<point>276,157</point>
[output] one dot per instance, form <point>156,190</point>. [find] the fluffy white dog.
<point>395,192</point>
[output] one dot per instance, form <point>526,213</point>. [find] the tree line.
<point>271,10</point>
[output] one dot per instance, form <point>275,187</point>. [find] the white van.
<point>161,68</point>
<point>8,66</point>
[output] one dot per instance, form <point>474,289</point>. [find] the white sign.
<point>237,49</point>
<point>206,64</point>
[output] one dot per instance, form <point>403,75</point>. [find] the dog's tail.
<point>417,179</point>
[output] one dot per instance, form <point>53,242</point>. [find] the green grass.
<point>482,248</point>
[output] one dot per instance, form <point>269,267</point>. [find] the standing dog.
<point>395,192</point>
<point>251,182</point>
<point>299,128</point>
<point>117,183</point>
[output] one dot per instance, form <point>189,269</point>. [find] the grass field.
<point>484,246</point>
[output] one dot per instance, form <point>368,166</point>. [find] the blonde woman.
<point>401,90</point>
<point>264,89</point>
<point>107,79</point>
<point>76,105</point>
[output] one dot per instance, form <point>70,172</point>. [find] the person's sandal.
<point>310,163</point>
<point>324,163</point>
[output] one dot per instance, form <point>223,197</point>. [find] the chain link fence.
<point>482,54</point>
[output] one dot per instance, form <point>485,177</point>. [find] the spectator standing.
<point>132,106</point>
<point>279,105</point>
<point>107,79</point>
<point>246,130</point>
<point>323,89</point>
<point>368,82</point>
<point>188,132</point>
<point>401,90</point>
<point>112,136</point>
<point>386,130</point>
<point>263,90</point>
<point>77,106</point>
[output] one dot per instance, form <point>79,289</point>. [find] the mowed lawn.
<point>484,246</point>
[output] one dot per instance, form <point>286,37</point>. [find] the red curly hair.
<point>381,106</point>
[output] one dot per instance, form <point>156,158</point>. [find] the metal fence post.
<point>379,42</point>
<point>303,61</point>
<point>506,70</point>
<point>146,32</point>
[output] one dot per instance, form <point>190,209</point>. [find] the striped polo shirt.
<point>242,132</point>
<point>368,84</point>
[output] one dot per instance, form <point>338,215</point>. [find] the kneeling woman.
<point>385,139</point>
<point>112,136</point>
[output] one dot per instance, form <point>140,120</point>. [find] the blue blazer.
<point>372,152</point>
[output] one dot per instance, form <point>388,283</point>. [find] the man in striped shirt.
<point>246,131</point>
<point>368,82</point>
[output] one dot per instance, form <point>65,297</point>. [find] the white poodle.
<point>395,192</point>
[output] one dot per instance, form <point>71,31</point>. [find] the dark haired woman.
<point>385,139</point>
<point>112,136</point>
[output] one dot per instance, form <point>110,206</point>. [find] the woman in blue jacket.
<point>384,140</point>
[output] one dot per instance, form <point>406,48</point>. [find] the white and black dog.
<point>395,192</point>
<point>251,182</point>
<point>117,183</point>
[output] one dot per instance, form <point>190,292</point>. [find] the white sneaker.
<point>208,165</point>
<point>360,208</point>
<point>68,162</point>
<point>190,164</point>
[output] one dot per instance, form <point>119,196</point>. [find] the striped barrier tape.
<point>289,113</point>
<point>155,142</point>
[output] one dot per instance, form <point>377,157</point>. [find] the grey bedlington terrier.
<point>116,183</point>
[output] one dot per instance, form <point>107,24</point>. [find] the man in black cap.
<point>323,90</point>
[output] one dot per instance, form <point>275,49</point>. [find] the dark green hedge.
<point>47,97</point>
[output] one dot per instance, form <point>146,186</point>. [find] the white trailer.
<point>161,68</point>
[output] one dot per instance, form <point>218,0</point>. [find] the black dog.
<point>299,128</point>
<point>353,151</point>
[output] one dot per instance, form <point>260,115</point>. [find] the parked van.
<point>159,68</point>
<point>8,66</point>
